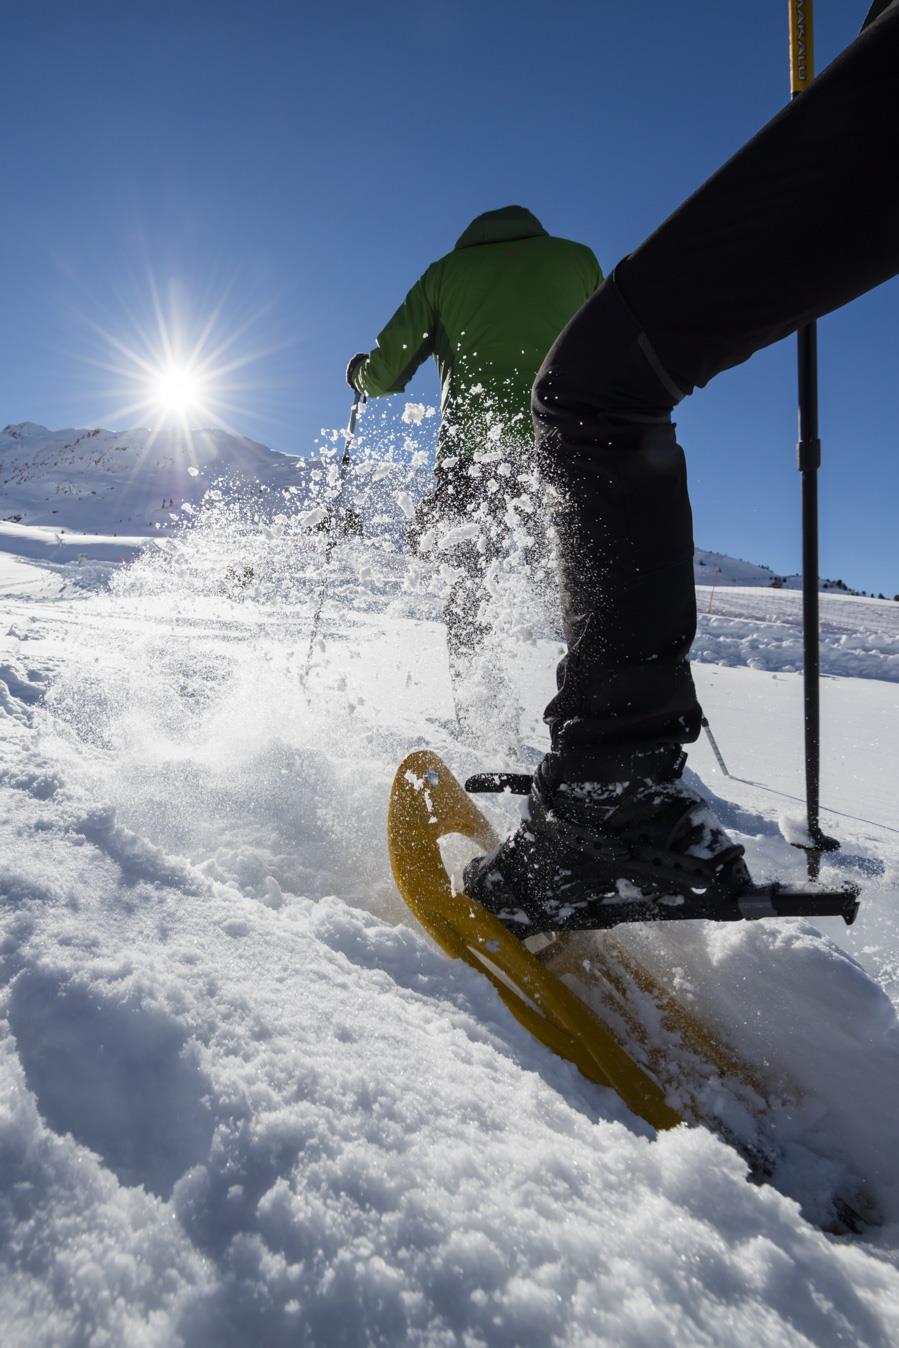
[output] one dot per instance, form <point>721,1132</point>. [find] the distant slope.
<point>716,568</point>
<point>115,482</point>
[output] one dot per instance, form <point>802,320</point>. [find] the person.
<point>487,312</point>
<point>800,221</point>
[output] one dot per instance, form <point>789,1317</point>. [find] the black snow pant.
<point>801,220</point>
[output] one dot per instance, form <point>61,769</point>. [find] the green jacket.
<point>487,312</point>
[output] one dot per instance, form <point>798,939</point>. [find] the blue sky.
<point>295,167</point>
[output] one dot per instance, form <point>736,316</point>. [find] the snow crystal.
<point>794,829</point>
<point>308,519</point>
<point>461,533</point>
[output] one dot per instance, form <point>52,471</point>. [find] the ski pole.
<point>349,435</point>
<point>808,462</point>
<point>714,743</point>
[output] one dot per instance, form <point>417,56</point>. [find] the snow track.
<point>245,1101</point>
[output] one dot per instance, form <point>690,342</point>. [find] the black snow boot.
<point>593,854</point>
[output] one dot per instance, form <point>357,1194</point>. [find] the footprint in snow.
<point>117,1076</point>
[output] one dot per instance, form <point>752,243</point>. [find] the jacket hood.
<point>510,222</point>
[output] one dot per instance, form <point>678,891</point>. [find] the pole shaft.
<point>802,72</point>
<point>349,433</point>
<point>809,455</point>
<point>714,743</point>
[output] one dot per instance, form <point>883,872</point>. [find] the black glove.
<point>353,367</point>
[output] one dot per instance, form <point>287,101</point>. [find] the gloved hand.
<point>353,366</point>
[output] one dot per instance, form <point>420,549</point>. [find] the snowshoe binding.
<point>593,855</point>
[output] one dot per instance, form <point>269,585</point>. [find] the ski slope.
<point>245,1101</point>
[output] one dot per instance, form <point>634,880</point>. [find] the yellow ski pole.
<point>802,51</point>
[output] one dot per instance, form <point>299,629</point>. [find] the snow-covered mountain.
<point>123,482</point>
<point>716,568</point>
<point>140,482</point>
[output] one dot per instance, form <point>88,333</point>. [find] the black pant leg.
<point>801,220</point>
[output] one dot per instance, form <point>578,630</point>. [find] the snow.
<point>67,545</point>
<point>715,569</point>
<point>310,518</point>
<point>121,482</point>
<point>763,629</point>
<point>132,483</point>
<point>18,577</point>
<point>245,1100</point>
<point>460,533</point>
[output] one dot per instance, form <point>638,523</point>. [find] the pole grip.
<point>802,49</point>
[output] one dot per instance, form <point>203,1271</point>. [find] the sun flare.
<point>176,390</point>
<point>179,369</point>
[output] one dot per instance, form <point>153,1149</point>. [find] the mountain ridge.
<point>139,481</point>
<point>96,480</point>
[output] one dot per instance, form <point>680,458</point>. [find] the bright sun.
<point>178,373</point>
<point>176,390</point>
